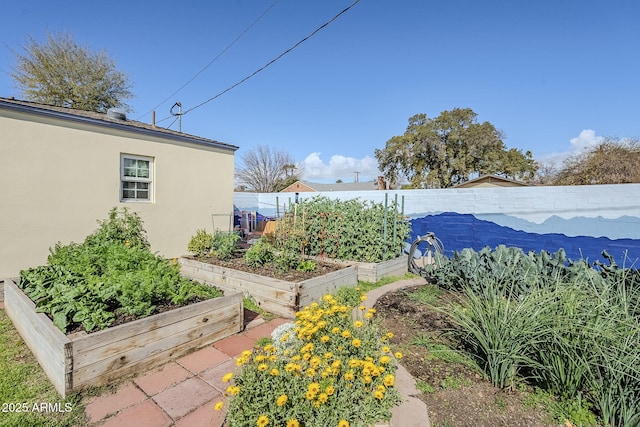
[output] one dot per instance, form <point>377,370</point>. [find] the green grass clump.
<point>25,387</point>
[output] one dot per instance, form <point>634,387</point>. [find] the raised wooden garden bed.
<point>374,271</point>
<point>77,361</point>
<point>276,296</point>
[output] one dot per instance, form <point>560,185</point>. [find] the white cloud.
<point>585,140</point>
<point>339,167</point>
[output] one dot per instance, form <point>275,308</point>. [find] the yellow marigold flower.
<point>306,356</point>
<point>398,355</point>
<point>346,334</point>
<point>314,387</point>
<point>227,377</point>
<point>293,423</point>
<point>263,367</point>
<point>380,387</point>
<point>336,363</point>
<point>233,390</point>
<point>325,338</point>
<point>329,390</point>
<point>386,349</point>
<point>259,358</point>
<point>328,355</point>
<point>310,395</point>
<point>388,380</point>
<point>307,348</point>
<point>241,361</point>
<point>335,330</point>
<point>285,337</point>
<point>356,342</point>
<point>349,375</point>
<point>354,363</point>
<point>296,358</point>
<point>274,372</point>
<point>311,372</point>
<point>389,335</point>
<point>385,359</point>
<point>363,298</point>
<point>343,423</point>
<point>378,394</point>
<point>362,308</point>
<point>358,324</point>
<point>262,421</point>
<point>367,379</point>
<point>323,397</point>
<point>327,297</point>
<point>246,353</point>
<point>219,406</point>
<point>282,399</point>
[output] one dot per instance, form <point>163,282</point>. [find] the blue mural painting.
<point>459,231</point>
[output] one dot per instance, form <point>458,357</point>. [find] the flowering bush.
<point>330,368</point>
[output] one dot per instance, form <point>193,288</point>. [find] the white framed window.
<point>136,178</point>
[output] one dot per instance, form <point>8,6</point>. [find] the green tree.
<point>448,150</point>
<point>60,72</point>
<point>613,161</point>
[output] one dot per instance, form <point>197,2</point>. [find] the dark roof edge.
<point>115,125</point>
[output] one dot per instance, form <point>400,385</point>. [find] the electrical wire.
<point>317,30</point>
<point>222,52</point>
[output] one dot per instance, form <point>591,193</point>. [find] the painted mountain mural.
<point>459,231</point>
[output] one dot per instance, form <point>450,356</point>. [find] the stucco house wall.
<point>60,173</point>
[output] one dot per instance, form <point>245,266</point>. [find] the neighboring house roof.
<point>305,186</point>
<point>102,119</point>
<point>491,181</point>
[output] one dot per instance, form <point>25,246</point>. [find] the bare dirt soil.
<point>269,270</point>
<point>457,394</point>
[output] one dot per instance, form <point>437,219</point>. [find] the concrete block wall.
<point>582,220</point>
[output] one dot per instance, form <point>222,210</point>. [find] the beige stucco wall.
<point>57,178</point>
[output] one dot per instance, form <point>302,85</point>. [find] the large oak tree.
<point>450,149</point>
<point>62,73</point>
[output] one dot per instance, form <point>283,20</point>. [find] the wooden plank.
<point>88,378</point>
<point>313,290</point>
<point>86,349</point>
<point>135,357</point>
<point>46,342</point>
<point>122,332</point>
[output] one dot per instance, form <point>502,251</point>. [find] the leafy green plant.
<point>307,265</point>
<point>224,244</point>
<point>260,253</point>
<point>350,230</point>
<point>108,274</point>
<point>201,243</point>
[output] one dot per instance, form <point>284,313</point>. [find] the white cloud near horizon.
<point>585,140</point>
<point>339,167</point>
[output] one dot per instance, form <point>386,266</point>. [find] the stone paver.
<point>234,345</point>
<point>265,329</point>
<point>185,397</point>
<point>145,414</point>
<point>157,380</point>
<point>202,359</point>
<point>214,375</point>
<point>204,416</point>
<point>127,395</point>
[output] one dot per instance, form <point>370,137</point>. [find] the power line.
<point>317,30</point>
<point>214,59</point>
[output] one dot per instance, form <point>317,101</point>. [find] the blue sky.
<point>554,76</point>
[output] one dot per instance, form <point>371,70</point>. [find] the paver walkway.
<point>182,392</point>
